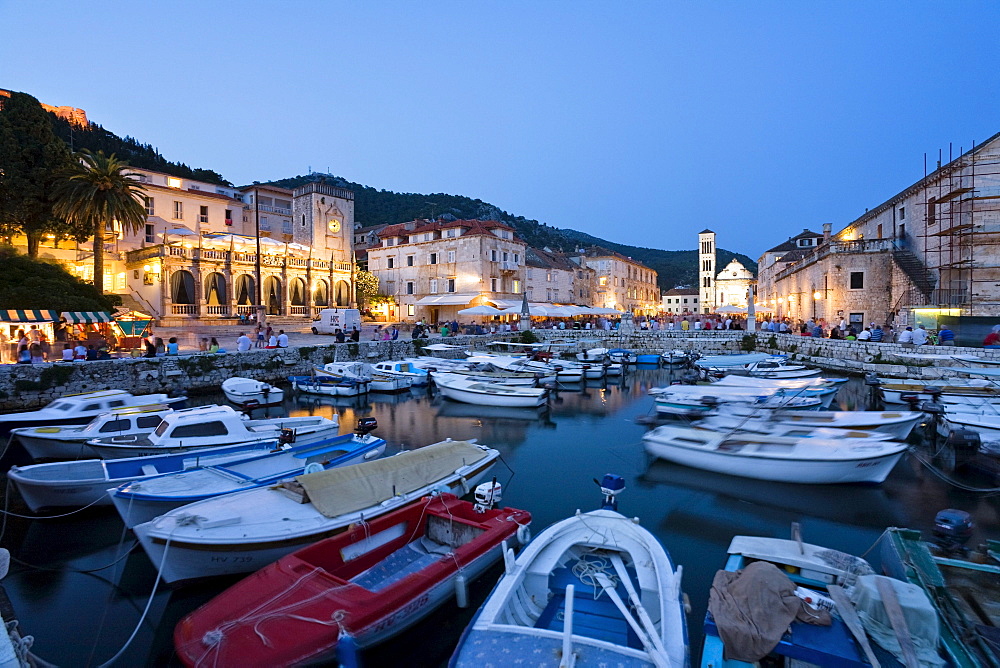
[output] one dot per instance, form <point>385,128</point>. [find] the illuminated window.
<point>603,280</point>
<point>409,309</point>
<point>173,183</point>
<point>517,285</point>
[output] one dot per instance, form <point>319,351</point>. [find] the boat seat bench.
<point>596,618</point>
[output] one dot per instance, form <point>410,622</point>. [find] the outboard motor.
<point>964,443</point>
<point>934,391</point>
<point>711,402</point>
<point>952,530</point>
<point>488,495</point>
<point>912,399</point>
<point>366,425</point>
<point>611,486</point>
<point>286,437</point>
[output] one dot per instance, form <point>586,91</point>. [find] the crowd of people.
<point>32,346</point>
<point>909,336</point>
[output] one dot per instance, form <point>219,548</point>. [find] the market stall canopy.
<point>451,299</point>
<point>133,327</point>
<point>86,317</point>
<point>181,232</point>
<point>25,315</point>
<point>603,310</point>
<point>731,309</point>
<point>481,310</point>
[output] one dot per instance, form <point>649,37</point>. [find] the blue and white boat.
<point>145,499</point>
<point>85,482</point>
<point>596,589</point>
<point>329,386</point>
<point>418,377</point>
<point>648,358</point>
<point>622,356</point>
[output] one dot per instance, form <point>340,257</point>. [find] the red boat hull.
<point>372,581</point>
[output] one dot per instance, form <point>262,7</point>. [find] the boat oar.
<point>633,595</point>
<point>898,621</point>
<point>659,658</point>
<point>568,658</point>
<point>853,622</point>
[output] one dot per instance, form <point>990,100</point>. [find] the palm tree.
<point>96,191</point>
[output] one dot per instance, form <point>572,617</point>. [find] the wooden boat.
<point>329,386</point>
<point>813,570</point>
<point>674,357</point>
<point>142,500</point>
<point>735,380</point>
<point>898,424</point>
<point>206,426</point>
<point>965,594</point>
<point>82,408</point>
<point>250,392</point>
<point>595,589</point>
<point>469,391</point>
<point>366,373</point>
<point>782,459</point>
<point>965,391</point>
<point>593,355</point>
<point>729,362</point>
<point>622,356</point>
<point>375,579</point>
<point>242,532</point>
<point>69,441</point>
<point>85,482</point>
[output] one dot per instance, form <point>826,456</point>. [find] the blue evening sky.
<point>640,122</point>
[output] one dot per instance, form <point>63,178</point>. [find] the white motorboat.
<point>787,383</point>
<point>779,369</point>
<point>593,355</point>
<point>329,386</point>
<point>675,357</point>
<point>417,376</point>
<point>206,426</point>
<point>69,441</point>
<point>82,408</point>
<point>614,369</point>
<point>85,482</point>
<point>898,424</point>
<point>782,429</point>
<point>987,426</point>
<point>360,371</point>
<point>458,388</point>
<point>245,531</point>
<point>695,405</point>
<point>765,457</point>
<point>729,362</point>
<point>250,392</point>
<point>596,589</point>
<point>968,391</point>
<point>142,500</point>
<point>622,356</point>
<point>740,394</point>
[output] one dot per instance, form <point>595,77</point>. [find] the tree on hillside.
<point>95,192</point>
<point>31,158</point>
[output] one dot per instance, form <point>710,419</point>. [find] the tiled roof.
<point>205,193</point>
<point>471,228</point>
<point>685,292</point>
<point>535,257</point>
<point>598,251</point>
<point>792,243</point>
<point>276,189</point>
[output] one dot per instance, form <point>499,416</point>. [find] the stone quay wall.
<point>26,386</point>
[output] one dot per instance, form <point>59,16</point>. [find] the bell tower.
<point>324,219</point>
<point>706,271</point>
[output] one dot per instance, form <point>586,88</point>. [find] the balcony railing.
<point>508,266</point>
<point>246,310</point>
<point>184,309</point>
<point>837,247</point>
<point>298,310</point>
<point>217,310</point>
<point>275,209</point>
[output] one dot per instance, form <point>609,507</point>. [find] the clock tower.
<point>323,219</point>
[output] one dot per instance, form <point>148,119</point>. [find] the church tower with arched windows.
<point>706,271</point>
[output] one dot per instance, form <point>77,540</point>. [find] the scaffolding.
<point>961,231</point>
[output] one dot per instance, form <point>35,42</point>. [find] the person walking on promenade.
<point>258,335</point>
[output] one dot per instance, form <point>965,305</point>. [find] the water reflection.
<point>589,429</point>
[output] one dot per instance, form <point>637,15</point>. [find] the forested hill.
<point>377,207</point>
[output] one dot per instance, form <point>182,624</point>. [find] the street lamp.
<point>817,295</point>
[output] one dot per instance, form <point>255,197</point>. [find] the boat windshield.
<point>61,406</point>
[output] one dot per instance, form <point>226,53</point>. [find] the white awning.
<point>446,300</point>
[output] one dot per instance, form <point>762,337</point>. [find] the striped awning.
<point>25,315</point>
<point>86,317</point>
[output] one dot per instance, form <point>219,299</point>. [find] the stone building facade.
<point>929,251</point>
<point>706,270</point>
<point>732,284</point>
<point>622,283</point>
<point>553,277</point>
<point>681,301</point>
<point>432,269</point>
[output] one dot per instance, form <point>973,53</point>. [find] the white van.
<point>332,319</point>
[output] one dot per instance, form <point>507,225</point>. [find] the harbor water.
<point>80,584</point>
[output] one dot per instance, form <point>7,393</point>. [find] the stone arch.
<point>182,287</point>
<point>215,289</point>
<point>246,293</point>
<point>321,293</point>
<point>297,294</point>
<point>343,294</point>
<point>272,295</point>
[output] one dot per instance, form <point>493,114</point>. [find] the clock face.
<point>334,225</point>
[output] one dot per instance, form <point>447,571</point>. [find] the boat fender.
<point>523,534</point>
<point>508,557</point>
<point>313,467</point>
<point>461,591</point>
<point>347,651</point>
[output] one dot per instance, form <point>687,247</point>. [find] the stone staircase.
<point>915,270</point>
